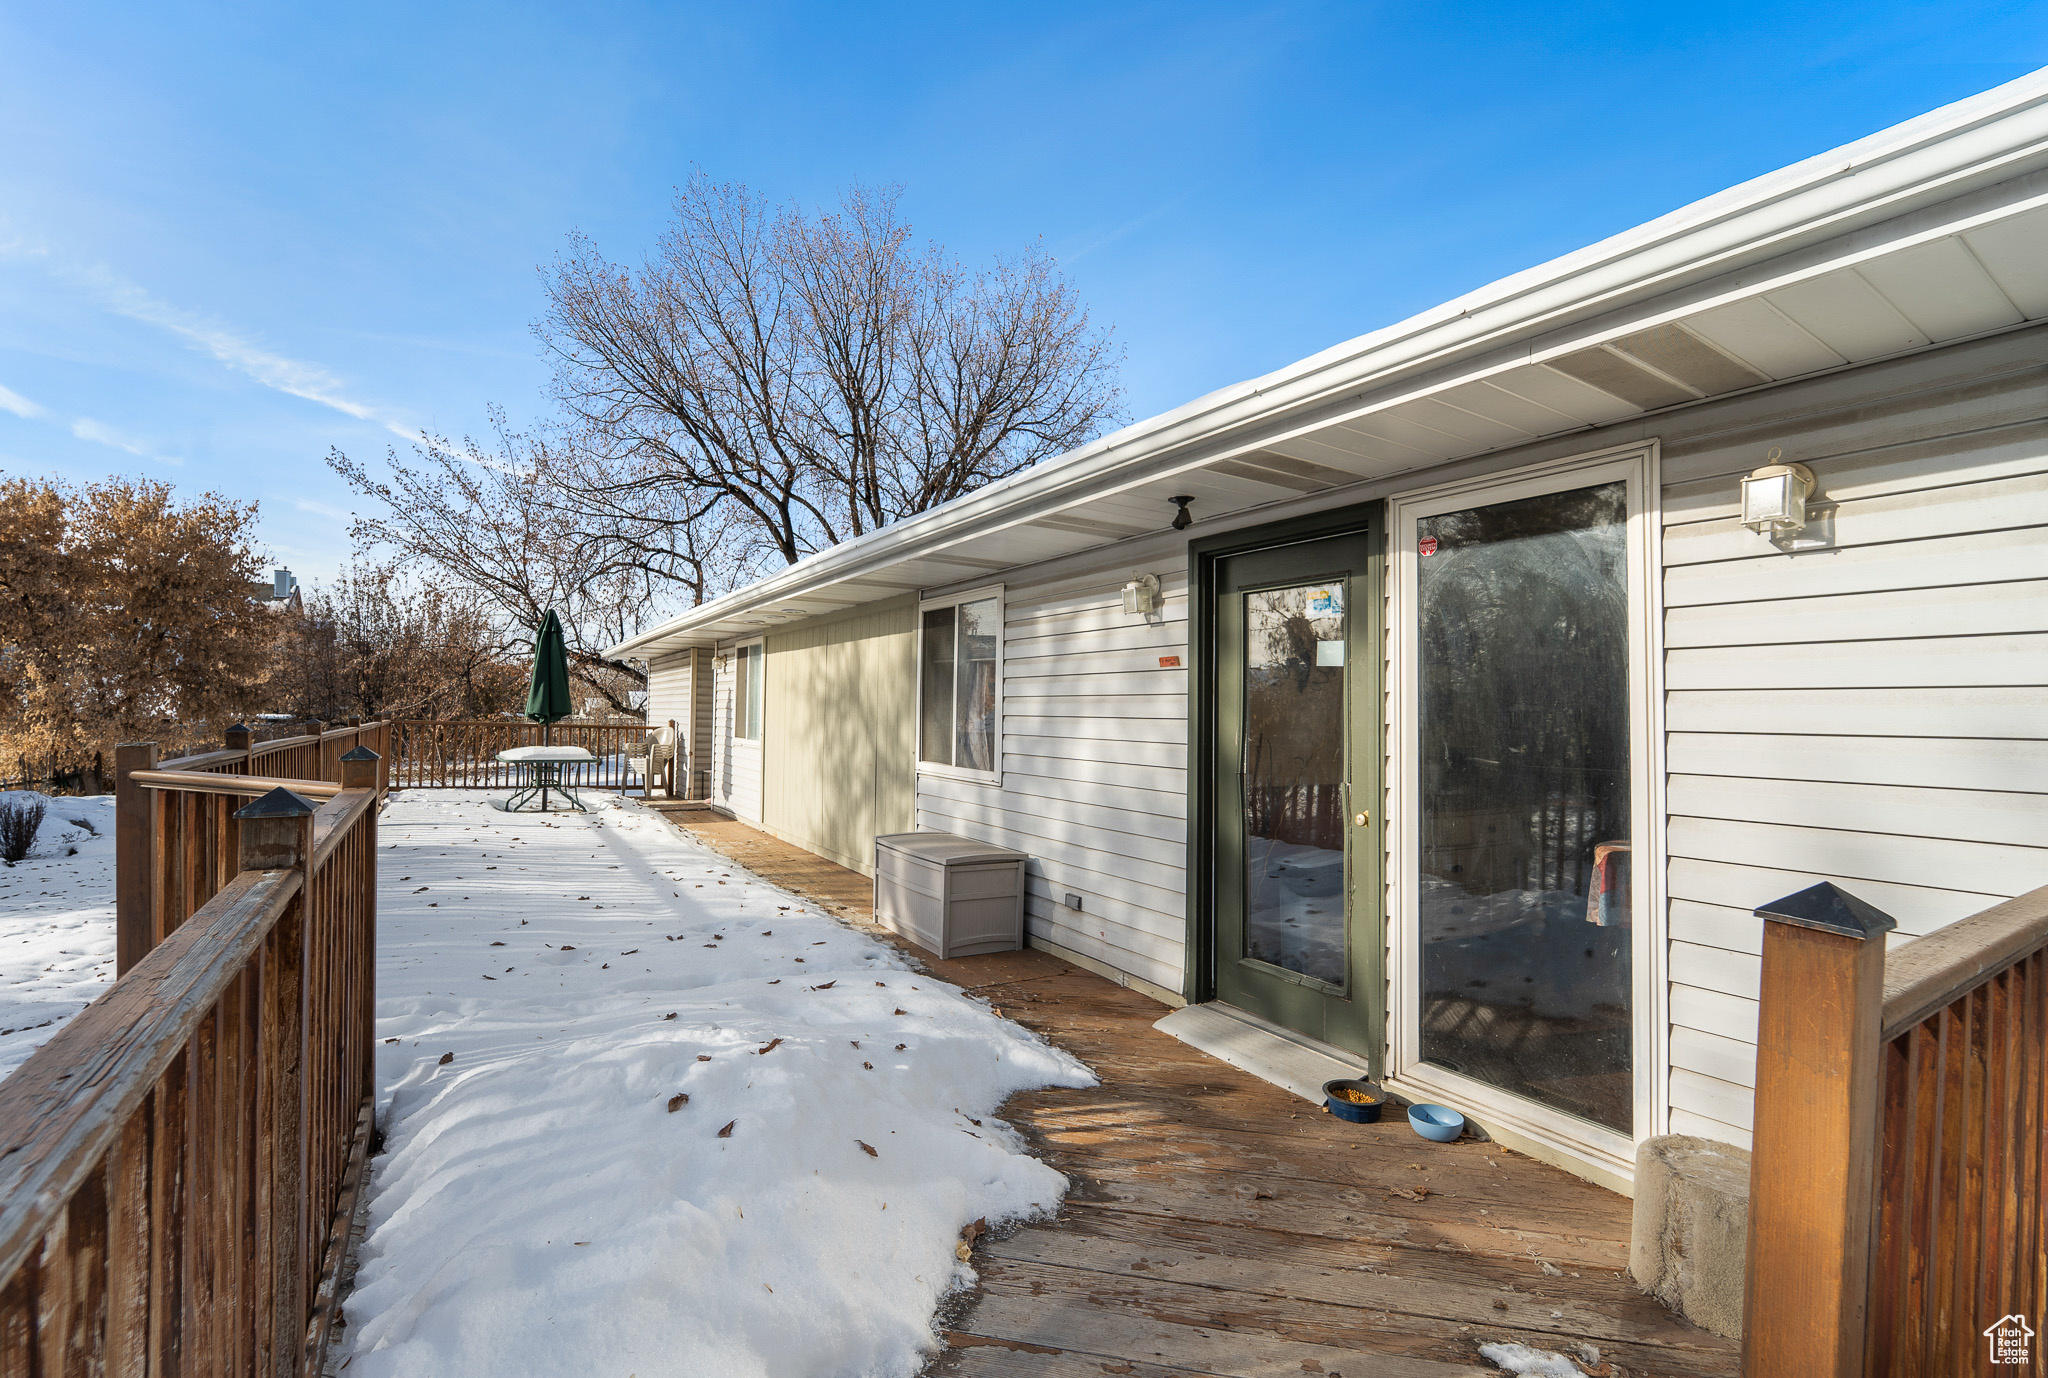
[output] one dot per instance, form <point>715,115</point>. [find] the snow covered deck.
<point>646,1114</point>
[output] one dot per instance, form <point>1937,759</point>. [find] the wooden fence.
<point>461,753</point>
<point>1901,1145</point>
<point>179,1165</point>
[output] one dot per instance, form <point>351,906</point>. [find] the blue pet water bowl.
<point>1436,1122</point>
<point>1368,1113</point>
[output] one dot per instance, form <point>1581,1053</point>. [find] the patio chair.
<point>654,757</point>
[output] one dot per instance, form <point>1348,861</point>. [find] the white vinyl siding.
<point>1094,769</point>
<point>735,761</point>
<point>701,738</point>
<point>679,691</point>
<point>668,691</point>
<point>1873,714</point>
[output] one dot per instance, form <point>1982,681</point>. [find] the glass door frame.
<point>1580,1140</point>
<point>1206,557</point>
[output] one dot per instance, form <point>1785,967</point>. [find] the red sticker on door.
<point>1427,545</point>
<point>1169,662</point>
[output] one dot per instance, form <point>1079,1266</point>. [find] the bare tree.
<point>497,525</point>
<point>815,377</point>
<point>766,384</point>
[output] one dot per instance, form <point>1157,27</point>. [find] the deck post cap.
<point>360,753</point>
<point>279,803</point>
<point>1831,909</point>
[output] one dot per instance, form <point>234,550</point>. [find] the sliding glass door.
<point>1524,742</point>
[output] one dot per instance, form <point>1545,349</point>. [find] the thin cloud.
<point>85,428</point>
<point>19,406</point>
<point>1128,227</point>
<point>99,433</point>
<point>293,377</point>
<point>10,400</point>
<point>321,509</point>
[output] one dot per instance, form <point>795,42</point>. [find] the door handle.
<point>1363,816</point>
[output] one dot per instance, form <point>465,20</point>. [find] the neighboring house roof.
<point>1927,233</point>
<point>264,592</point>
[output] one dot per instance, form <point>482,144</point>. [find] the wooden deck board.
<point>1217,1225</point>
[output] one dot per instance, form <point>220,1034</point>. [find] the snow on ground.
<point>646,1114</point>
<point>1536,1363</point>
<point>56,922</point>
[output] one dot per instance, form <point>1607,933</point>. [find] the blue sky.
<point>232,237</point>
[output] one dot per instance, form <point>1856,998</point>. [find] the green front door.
<point>1299,932</point>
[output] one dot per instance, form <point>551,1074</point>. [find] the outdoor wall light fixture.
<point>1141,596</point>
<point>1182,519</point>
<point>1774,498</point>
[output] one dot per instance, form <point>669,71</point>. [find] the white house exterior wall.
<point>1094,781</point>
<point>1874,713</point>
<point>678,692</point>
<point>668,690</point>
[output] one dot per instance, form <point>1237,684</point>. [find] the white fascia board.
<point>1972,144</point>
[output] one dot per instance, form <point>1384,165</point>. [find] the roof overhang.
<point>1928,233</point>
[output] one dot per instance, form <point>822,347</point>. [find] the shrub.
<point>19,820</point>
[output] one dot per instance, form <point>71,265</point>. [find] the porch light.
<point>1774,498</point>
<point>1141,596</point>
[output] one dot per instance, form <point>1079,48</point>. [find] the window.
<point>959,662</point>
<point>746,693</point>
<point>1524,744</point>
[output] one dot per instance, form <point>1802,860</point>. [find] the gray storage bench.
<point>950,895</point>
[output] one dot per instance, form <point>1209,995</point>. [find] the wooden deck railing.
<point>174,829</point>
<point>1900,1144</point>
<point>462,753</point>
<point>178,1164</point>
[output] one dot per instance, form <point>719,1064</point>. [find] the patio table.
<point>543,767</point>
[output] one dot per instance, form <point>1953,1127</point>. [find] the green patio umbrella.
<point>547,695</point>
